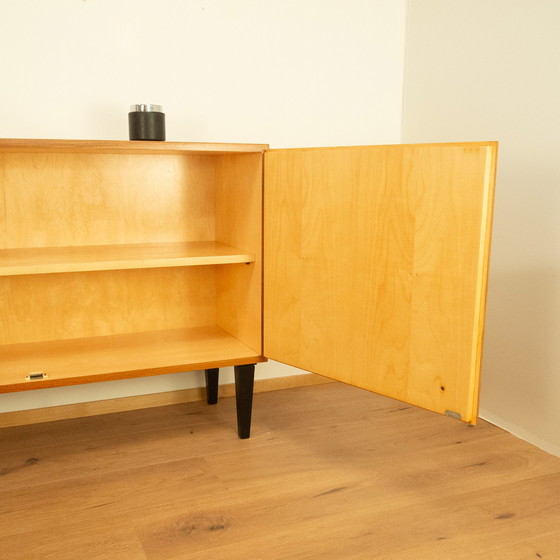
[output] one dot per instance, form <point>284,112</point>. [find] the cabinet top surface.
<point>126,146</point>
<point>468,144</point>
<point>25,145</point>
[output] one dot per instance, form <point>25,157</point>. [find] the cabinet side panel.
<point>60,199</point>
<point>376,259</point>
<point>88,304</point>
<point>239,223</point>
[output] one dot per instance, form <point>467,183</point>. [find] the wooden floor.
<point>330,472</point>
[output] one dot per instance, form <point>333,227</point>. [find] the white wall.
<point>489,70</point>
<point>284,72</point>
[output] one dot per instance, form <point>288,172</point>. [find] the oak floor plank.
<point>478,522</point>
<point>535,547</point>
<point>397,471</point>
<point>94,540</point>
<point>342,504</point>
<point>106,453</point>
<point>234,519</point>
<point>115,494</point>
<point>432,529</point>
<point>114,424</point>
<point>330,472</point>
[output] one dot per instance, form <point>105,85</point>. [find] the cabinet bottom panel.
<point>86,360</point>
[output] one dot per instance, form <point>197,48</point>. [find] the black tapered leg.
<point>212,385</point>
<point>244,380</point>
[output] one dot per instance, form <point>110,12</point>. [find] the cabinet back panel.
<point>60,199</point>
<point>86,304</point>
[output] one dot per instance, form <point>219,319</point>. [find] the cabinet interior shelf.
<point>46,260</point>
<point>120,356</point>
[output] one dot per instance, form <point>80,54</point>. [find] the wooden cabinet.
<point>127,259</point>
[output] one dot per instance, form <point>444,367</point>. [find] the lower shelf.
<point>106,358</point>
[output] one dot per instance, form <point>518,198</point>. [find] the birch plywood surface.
<point>15,262</point>
<point>376,267</point>
<point>239,223</point>
<point>59,199</point>
<point>111,238</point>
<point>87,304</point>
<point>105,358</point>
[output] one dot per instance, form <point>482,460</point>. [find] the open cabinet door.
<point>376,263</point>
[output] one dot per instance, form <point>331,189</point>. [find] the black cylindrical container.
<point>146,122</point>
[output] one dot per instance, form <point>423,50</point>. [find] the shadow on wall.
<point>521,367</point>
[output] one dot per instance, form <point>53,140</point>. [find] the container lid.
<point>146,108</point>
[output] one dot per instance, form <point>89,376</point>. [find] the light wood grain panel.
<point>340,299</point>
<point>47,260</point>
<point>239,223</point>
<point>283,300</point>
<point>377,266</point>
<point>60,199</point>
<point>33,145</point>
<point>453,205</point>
<point>105,358</point>
<point>94,241</point>
<point>85,304</point>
